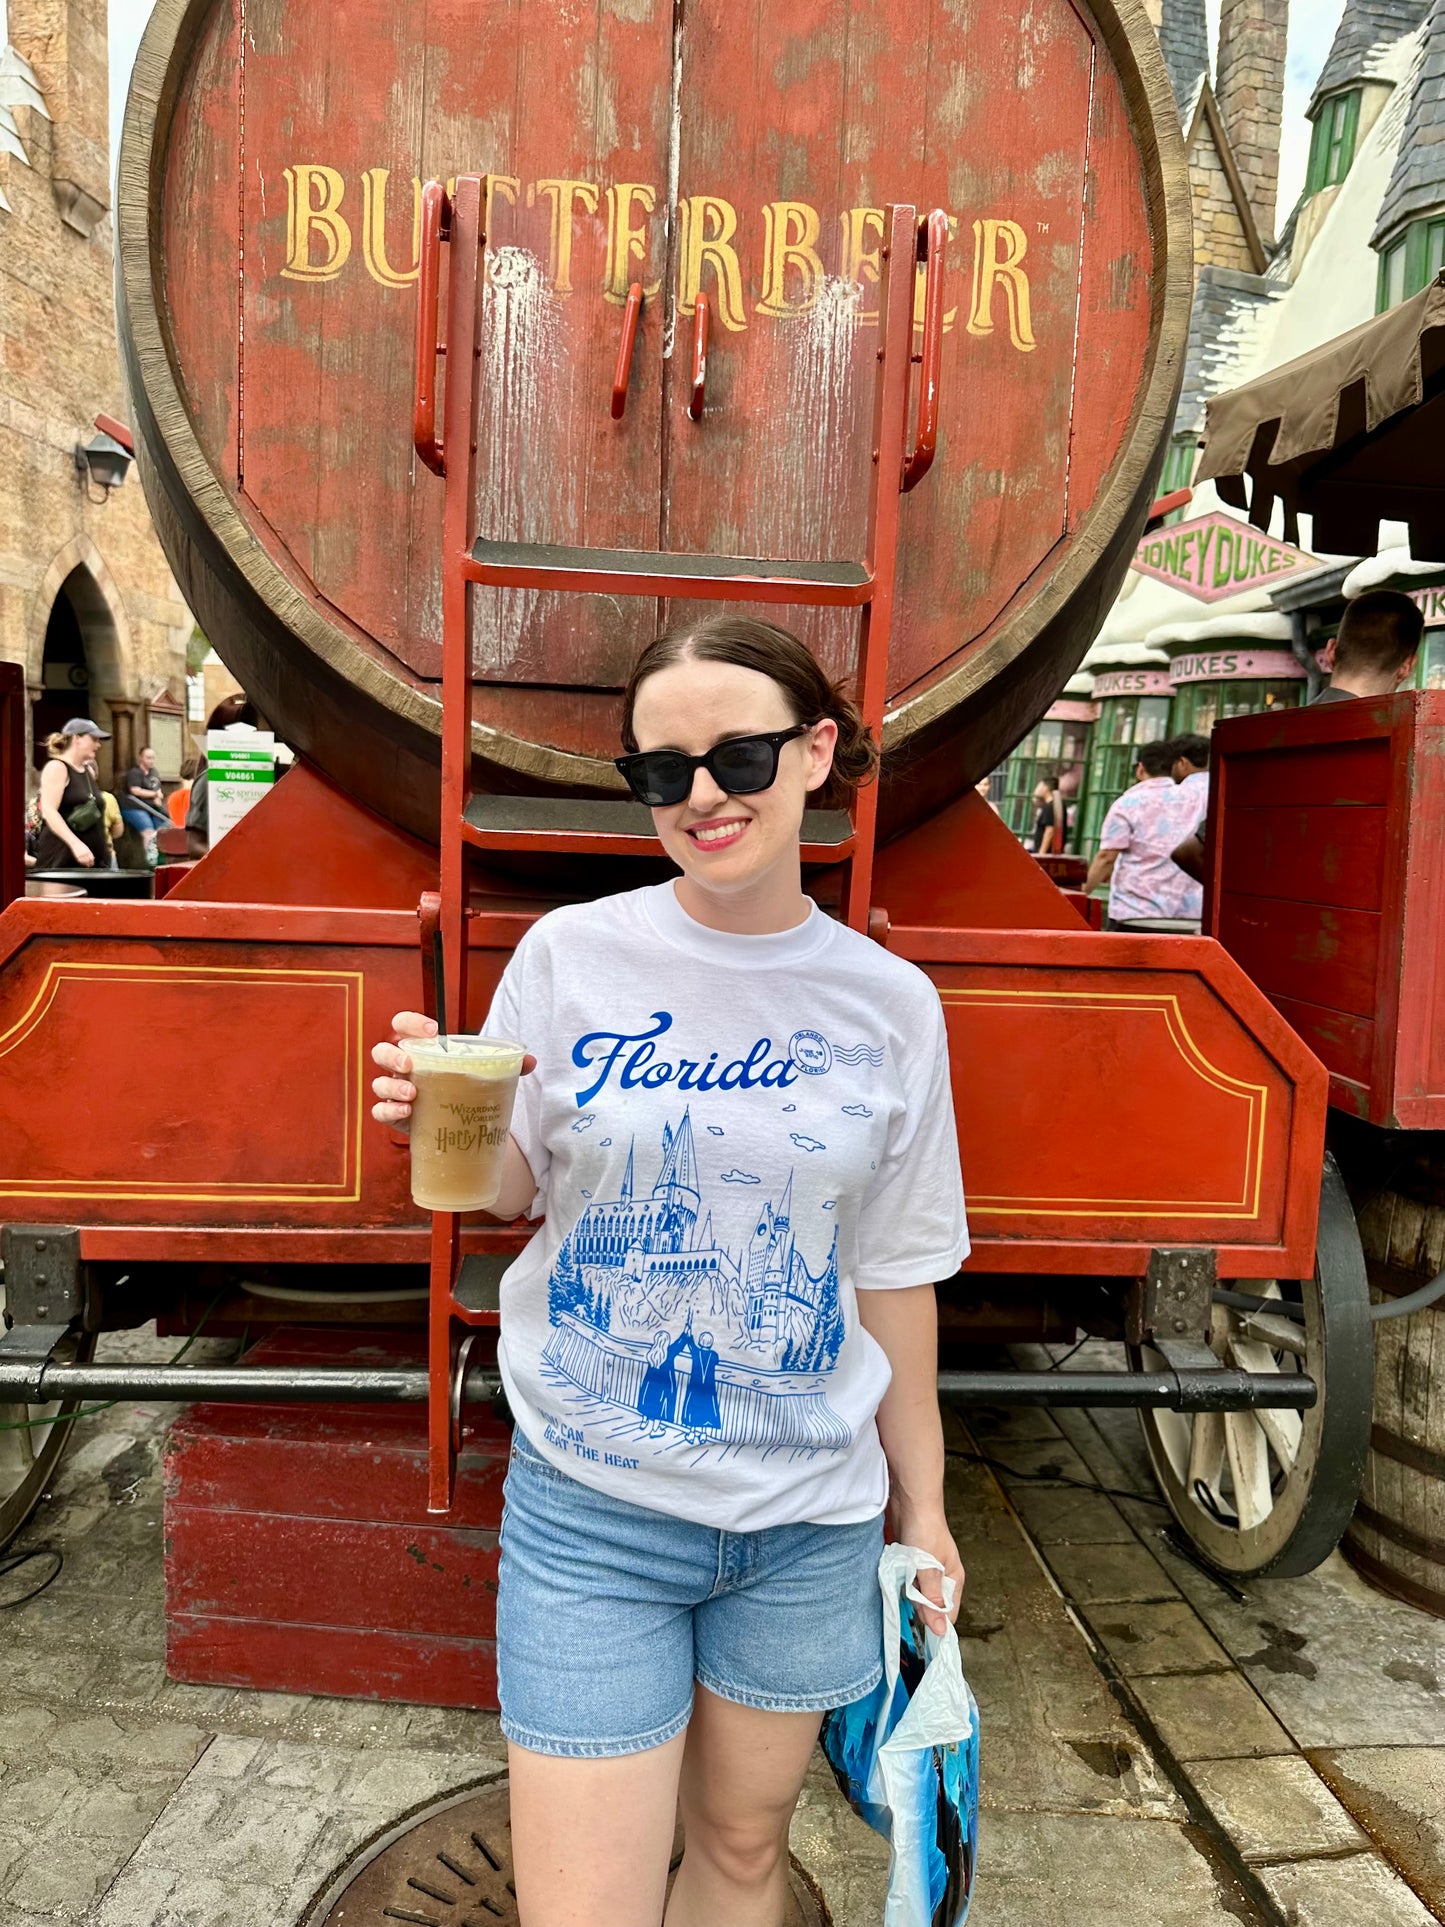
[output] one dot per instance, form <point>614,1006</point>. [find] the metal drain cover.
<point>451,1866</point>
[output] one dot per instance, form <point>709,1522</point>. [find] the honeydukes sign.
<point>1217,556</point>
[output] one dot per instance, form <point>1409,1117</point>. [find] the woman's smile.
<point>716,832</point>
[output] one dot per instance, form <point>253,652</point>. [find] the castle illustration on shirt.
<point>662,1332</point>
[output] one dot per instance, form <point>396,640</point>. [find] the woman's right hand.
<point>395,1093</point>
<point>84,856</point>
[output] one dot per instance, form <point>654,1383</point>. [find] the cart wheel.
<point>30,1452</point>
<point>1261,1492</point>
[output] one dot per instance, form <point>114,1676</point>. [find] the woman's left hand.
<point>928,1530</point>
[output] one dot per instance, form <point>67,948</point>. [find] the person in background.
<point>235,709</point>
<point>179,800</point>
<point>984,786</point>
<point>1048,831</point>
<point>1190,768</point>
<point>72,811</point>
<point>143,802</point>
<point>1135,854</point>
<point>1375,649</point>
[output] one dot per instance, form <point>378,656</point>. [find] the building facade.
<point>87,603</point>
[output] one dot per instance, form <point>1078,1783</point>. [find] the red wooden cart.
<point>1142,1133</point>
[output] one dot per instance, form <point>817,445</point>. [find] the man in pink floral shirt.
<point>1134,854</point>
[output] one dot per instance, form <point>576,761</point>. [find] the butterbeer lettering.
<point>862,241</point>
<point>998,251</point>
<point>591,234</point>
<point>790,247</point>
<point>707,226</point>
<point>313,213</point>
<point>373,230</point>
<point>563,196</point>
<point>626,241</point>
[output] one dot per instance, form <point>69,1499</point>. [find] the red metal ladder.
<point>475,820</point>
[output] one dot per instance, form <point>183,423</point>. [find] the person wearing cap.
<point>72,809</point>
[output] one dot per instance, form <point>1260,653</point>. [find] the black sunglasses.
<point>741,766</point>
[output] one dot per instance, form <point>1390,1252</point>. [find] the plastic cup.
<point>465,1090</point>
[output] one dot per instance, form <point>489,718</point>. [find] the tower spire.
<point>627,1179</point>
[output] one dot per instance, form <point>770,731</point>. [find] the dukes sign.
<point>1217,556</point>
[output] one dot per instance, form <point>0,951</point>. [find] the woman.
<point>72,809</point>
<point>740,1125</point>
<point>1048,830</point>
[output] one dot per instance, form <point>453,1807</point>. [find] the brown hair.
<point>1379,632</point>
<point>750,643</point>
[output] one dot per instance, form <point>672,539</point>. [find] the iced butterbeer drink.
<point>465,1089</point>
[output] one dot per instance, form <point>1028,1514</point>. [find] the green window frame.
<point>1124,723</point>
<point>1050,746</point>
<point>1411,262</point>
<point>1198,706</point>
<point>1332,141</point>
<point>1430,663</point>
<point>1178,471</point>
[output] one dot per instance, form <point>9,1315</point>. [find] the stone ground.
<point>1153,1747</point>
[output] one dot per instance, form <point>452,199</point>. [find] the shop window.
<point>1411,262</point>
<point>1052,748</point>
<point>1125,722</point>
<point>1430,663</point>
<point>1332,141</point>
<point>1198,706</point>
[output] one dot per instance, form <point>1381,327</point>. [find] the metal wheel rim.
<point>1259,1492</point>
<point>24,1476</point>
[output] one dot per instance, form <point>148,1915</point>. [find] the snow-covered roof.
<point>1240,628</point>
<point>1417,181</point>
<point>1391,568</point>
<point>1367,28</point>
<point>1334,289</point>
<point>1124,655</point>
<point>1079,684</point>
<point>1231,313</point>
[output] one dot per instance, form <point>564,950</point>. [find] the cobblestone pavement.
<point>1154,1749</point>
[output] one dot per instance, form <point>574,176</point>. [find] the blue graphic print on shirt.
<point>664,1328</point>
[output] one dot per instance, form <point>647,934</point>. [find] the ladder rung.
<point>479,1280</point>
<point>652,572</point>
<point>604,826</point>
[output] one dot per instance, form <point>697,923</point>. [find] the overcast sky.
<point>1311,28</point>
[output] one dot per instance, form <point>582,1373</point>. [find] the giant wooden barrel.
<point>1397,1534</point>
<point>267,237</point>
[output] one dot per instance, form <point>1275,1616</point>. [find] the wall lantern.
<point>104,460</point>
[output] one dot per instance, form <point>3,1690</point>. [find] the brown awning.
<point>1352,433</point>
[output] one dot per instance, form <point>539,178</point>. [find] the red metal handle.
<point>933,245</point>
<point>631,315</point>
<point>436,222</point>
<point>701,327</point>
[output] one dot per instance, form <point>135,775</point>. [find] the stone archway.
<point>81,655</point>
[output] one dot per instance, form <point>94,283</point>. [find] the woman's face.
<point>729,844</point>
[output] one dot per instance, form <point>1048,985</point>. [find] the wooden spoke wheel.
<point>1259,1492</point>
<point>31,1444</point>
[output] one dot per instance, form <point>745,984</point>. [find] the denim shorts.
<point>607,1613</point>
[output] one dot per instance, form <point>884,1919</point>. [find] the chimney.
<point>1250,93</point>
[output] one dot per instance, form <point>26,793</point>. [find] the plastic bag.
<point>906,1757</point>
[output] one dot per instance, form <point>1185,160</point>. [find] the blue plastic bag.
<point>906,1757</point>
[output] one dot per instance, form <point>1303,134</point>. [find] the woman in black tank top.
<point>72,813</point>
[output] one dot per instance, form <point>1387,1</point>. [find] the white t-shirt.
<point>729,1136</point>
